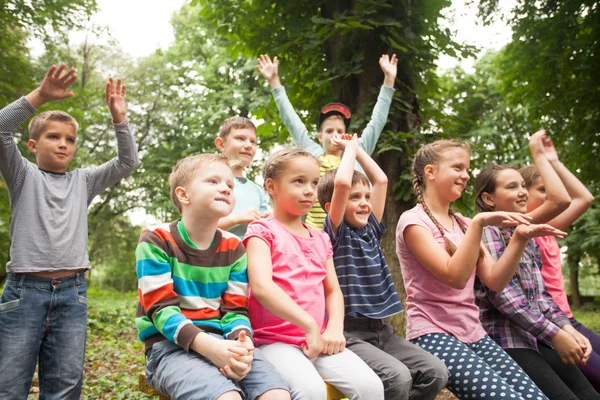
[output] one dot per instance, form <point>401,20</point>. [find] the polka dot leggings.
<point>480,370</point>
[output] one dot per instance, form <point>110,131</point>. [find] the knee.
<point>397,383</point>
<point>367,389</point>
<point>436,374</point>
<point>309,391</point>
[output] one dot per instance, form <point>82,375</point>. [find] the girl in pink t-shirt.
<point>440,252</point>
<point>296,306</point>
<point>581,200</point>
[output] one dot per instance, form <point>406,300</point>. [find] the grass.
<point>115,356</point>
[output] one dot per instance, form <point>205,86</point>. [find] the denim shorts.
<point>181,375</point>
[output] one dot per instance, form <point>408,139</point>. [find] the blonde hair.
<point>41,121</point>
<point>235,123</point>
<point>278,161</point>
<point>183,171</point>
<point>430,154</point>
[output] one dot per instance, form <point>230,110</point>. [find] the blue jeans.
<point>45,319</point>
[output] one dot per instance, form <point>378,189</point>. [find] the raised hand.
<point>269,69</point>
<point>344,140</point>
<point>536,142</point>
<point>54,86</point>
<point>549,149</point>
<point>531,231</point>
<point>497,218</point>
<point>389,66</point>
<point>115,100</point>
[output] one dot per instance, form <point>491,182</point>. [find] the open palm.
<point>115,100</point>
<point>54,86</point>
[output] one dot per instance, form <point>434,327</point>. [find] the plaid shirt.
<point>518,317</point>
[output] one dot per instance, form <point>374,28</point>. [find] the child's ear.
<point>488,199</point>
<point>428,171</point>
<point>270,186</point>
<point>327,207</point>
<point>32,144</point>
<point>320,136</point>
<point>220,143</point>
<point>182,195</point>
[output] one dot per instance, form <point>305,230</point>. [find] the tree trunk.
<point>574,284</point>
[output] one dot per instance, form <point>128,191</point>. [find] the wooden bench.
<point>144,387</point>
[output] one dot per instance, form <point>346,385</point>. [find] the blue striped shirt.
<point>365,279</point>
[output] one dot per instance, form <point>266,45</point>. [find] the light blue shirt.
<point>247,195</point>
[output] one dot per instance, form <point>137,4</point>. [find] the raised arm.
<point>371,133</point>
<point>54,86</point>
<point>270,71</point>
<point>581,198</point>
<point>343,178</point>
<point>378,180</point>
<point>455,270</point>
<point>109,173</point>
<point>557,197</point>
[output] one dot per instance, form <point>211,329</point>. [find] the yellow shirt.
<point>316,215</point>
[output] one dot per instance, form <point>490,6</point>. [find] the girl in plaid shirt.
<point>440,253</point>
<point>523,318</point>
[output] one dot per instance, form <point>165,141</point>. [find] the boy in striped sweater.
<point>193,295</point>
<point>354,225</point>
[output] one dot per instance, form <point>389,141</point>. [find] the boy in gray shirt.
<point>43,308</point>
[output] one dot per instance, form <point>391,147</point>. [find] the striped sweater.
<point>184,291</point>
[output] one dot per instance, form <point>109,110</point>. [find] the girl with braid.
<point>440,253</point>
<point>523,318</point>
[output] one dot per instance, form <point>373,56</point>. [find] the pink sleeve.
<point>407,219</point>
<point>259,229</point>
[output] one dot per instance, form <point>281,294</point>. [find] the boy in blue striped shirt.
<point>353,223</point>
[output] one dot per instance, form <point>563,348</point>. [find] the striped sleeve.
<point>13,166</point>
<point>234,301</point>
<point>156,292</point>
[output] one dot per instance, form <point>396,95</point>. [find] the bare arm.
<point>557,197</point>
<point>378,179</point>
<point>343,179</point>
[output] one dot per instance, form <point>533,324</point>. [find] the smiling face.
<point>449,176</point>
<point>55,147</point>
<point>510,193</point>
<point>358,207</point>
<point>209,191</point>
<point>294,190</point>
<point>239,144</point>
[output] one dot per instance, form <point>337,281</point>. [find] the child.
<point>440,252</point>
<point>523,318</point>
<point>43,309</point>
<point>237,140</point>
<point>353,223</point>
<point>294,286</point>
<point>581,200</point>
<point>334,119</point>
<point>193,287</point>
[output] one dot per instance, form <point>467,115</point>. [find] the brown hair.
<point>183,171</point>
<point>327,184</point>
<point>530,174</point>
<point>41,121</point>
<point>277,162</point>
<point>235,123</point>
<point>486,183</point>
<point>429,154</point>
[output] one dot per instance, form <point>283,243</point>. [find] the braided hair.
<point>429,154</point>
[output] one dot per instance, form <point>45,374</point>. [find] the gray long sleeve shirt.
<point>49,229</point>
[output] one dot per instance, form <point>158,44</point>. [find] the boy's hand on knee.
<point>54,86</point>
<point>239,365</point>
<point>389,66</point>
<point>333,342</point>
<point>115,100</point>
<point>269,69</point>
<point>246,342</point>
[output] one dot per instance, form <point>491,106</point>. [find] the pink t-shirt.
<point>431,305</point>
<point>552,272</point>
<point>299,269</point>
